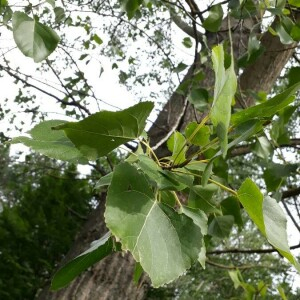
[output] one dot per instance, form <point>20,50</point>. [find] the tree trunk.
<point>112,277</point>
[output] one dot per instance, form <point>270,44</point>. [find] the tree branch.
<point>245,149</point>
<point>248,251</point>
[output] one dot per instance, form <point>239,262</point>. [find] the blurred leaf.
<point>59,14</point>
<point>201,197</point>
<point>214,20</point>
<point>50,142</point>
<point>180,67</point>
<point>276,173</point>
<point>231,206</point>
<point>33,38</point>
<point>294,3</point>
<point>104,180</point>
<point>201,138</point>
<point>268,108</point>
<point>177,145</point>
<point>130,7</point>
<point>263,148</point>
<point>187,42</point>
<point>97,39</point>
<point>199,98</point>
<point>221,226</point>
<point>98,250</point>
<point>224,91</point>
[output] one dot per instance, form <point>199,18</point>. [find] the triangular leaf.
<point>51,143</point>
<point>268,216</point>
<point>164,242</point>
<point>102,132</point>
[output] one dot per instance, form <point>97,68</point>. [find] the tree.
<point>201,151</point>
<point>31,242</point>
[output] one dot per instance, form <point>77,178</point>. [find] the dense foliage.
<point>170,211</point>
<point>43,207</point>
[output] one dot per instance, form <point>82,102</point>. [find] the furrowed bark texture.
<point>112,277</point>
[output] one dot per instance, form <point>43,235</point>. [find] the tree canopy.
<point>220,160</point>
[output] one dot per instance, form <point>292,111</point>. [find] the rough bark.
<point>115,271</point>
<point>112,277</point>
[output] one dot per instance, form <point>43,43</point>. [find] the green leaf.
<point>243,132</point>
<point>130,6</point>
<point>180,67</point>
<point>51,143</point>
<point>252,199</point>
<point>59,14</point>
<point>168,198</point>
<point>254,51</point>
<point>33,38</point>
<point>281,293</point>
<point>199,137</point>
<point>214,20</point>
<point>221,226</point>
<point>236,278</point>
<point>268,108</point>
<point>177,145</point>
<point>200,219</point>
<point>97,39</point>
<point>199,98</point>
<point>263,148</point>
<point>102,132</point>
<point>268,217</point>
<point>51,2</point>
<point>293,76</point>
<point>284,36</point>
<point>275,174</point>
<point>198,216</point>
<point>164,242</point>
<point>138,271</point>
<point>162,179</point>
<point>295,33</point>
<point>231,206</point>
<point>275,227</point>
<point>201,197</point>
<point>207,172</point>
<point>225,88</point>
<point>104,180</point>
<point>187,42</point>
<point>294,3</point>
<point>98,250</point>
